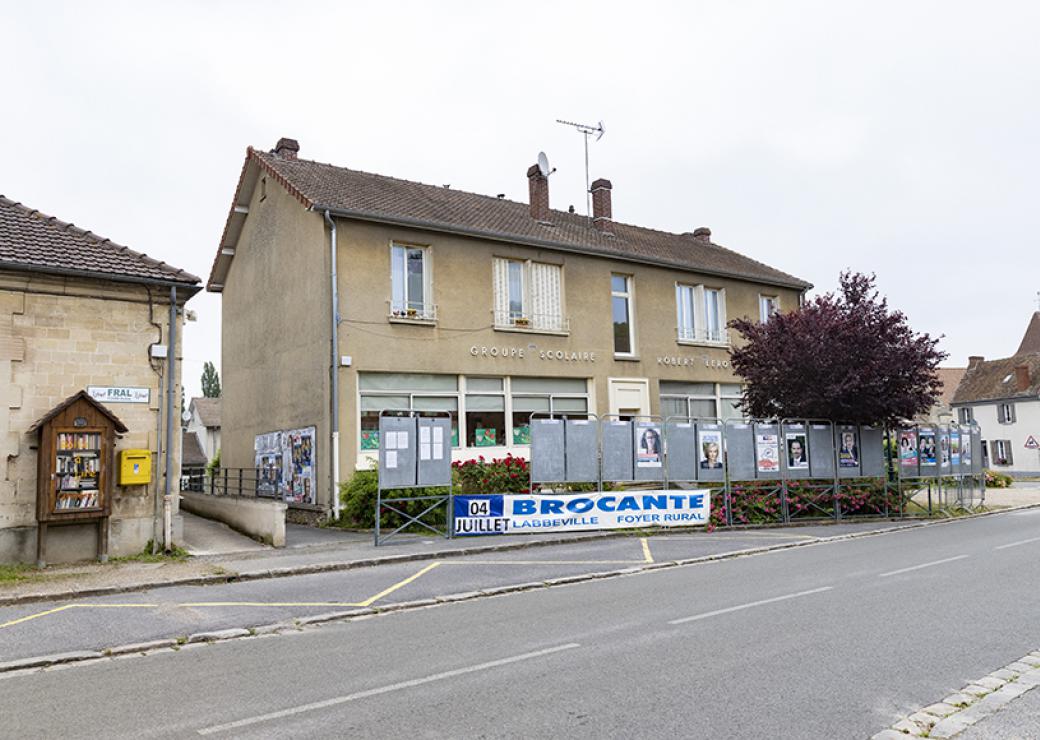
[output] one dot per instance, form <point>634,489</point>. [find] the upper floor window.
<point>528,295</point>
<point>767,306</point>
<point>965,415</point>
<point>621,310</point>
<point>1006,413</point>
<point>701,314</point>
<point>410,283</point>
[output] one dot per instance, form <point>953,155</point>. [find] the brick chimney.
<point>538,186</point>
<point>601,211</point>
<point>703,233</point>
<point>1022,382</point>
<point>287,148</point>
<point>974,361</point>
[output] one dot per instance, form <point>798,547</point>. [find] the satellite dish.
<point>602,130</point>
<point>543,164</point>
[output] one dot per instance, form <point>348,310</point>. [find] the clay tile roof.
<point>192,454</point>
<point>352,193</point>
<point>950,377</point>
<point>995,380</point>
<point>31,240</point>
<point>209,410</point>
<point>1031,339</point>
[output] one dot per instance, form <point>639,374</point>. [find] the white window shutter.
<point>545,296</point>
<point>501,285</point>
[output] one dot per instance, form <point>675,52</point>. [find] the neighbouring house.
<point>346,293</point>
<point>80,313</point>
<point>1003,397</point>
<point>942,410</point>
<point>204,423</point>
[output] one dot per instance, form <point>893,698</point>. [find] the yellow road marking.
<point>265,603</point>
<point>646,550</point>
<point>542,562</point>
<point>47,613</point>
<point>400,584</point>
<point>13,622</point>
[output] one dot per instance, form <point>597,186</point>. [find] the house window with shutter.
<point>528,296</point>
<point>965,415</point>
<point>1002,452</point>
<point>1006,413</point>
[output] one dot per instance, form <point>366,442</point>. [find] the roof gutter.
<point>547,243</point>
<point>189,288</point>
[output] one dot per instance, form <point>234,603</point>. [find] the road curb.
<point>205,638</point>
<point>222,578</point>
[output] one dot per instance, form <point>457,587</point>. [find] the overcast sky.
<point>898,138</point>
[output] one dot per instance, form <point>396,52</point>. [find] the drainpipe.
<point>170,384</point>
<point>334,368</point>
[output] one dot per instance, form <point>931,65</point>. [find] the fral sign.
<point>501,514</point>
<point>106,394</point>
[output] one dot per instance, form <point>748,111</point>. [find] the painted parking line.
<point>384,689</point>
<point>544,562</point>
<point>750,605</point>
<point>922,565</point>
<point>646,550</point>
<point>226,604</point>
<point>1016,544</point>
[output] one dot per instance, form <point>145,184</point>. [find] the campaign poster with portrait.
<point>848,449</point>
<point>648,449</point>
<point>767,452</point>
<point>709,446</point>
<point>944,449</point>
<point>797,451</point>
<point>908,448</point>
<point>298,445</point>
<point>926,447</point>
<point>955,448</point>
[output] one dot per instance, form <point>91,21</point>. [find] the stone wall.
<point>58,336</point>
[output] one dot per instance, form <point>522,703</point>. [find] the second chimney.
<point>601,210</point>
<point>538,186</point>
<point>974,360</point>
<point>287,148</point>
<point>1022,382</point>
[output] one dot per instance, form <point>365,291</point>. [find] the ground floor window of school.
<point>485,411</point>
<point>700,400</point>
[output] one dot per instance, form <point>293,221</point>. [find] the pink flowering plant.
<point>501,475</point>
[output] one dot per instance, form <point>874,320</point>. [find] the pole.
<point>171,382</point>
<point>588,187</point>
<point>334,369</point>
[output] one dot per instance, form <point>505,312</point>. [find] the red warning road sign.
<point>1031,443</point>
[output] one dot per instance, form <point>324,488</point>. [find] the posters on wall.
<point>285,465</point>
<point>966,448</point>
<point>710,449</point>
<point>944,449</point>
<point>926,447</point>
<point>369,439</point>
<point>848,450</point>
<point>648,451</point>
<point>955,448</point>
<point>797,451</point>
<point>907,448</point>
<point>767,452</point>
<point>485,437</point>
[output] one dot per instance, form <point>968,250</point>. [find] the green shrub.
<point>358,498</point>
<point>998,480</point>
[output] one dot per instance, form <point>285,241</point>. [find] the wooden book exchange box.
<point>75,469</point>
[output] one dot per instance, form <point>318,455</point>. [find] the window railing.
<point>703,336</point>
<point>531,321</point>
<point>411,311</point>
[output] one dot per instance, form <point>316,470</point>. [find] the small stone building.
<point>79,312</point>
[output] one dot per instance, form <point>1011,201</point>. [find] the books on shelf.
<point>80,500</point>
<point>79,441</point>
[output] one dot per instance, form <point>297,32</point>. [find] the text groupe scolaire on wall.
<point>562,355</point>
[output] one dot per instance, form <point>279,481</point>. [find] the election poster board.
<point>928,452</point>
<point>740,450</point>
<point>491,514</point>
<point>649,449</point>
<point>821,440</point>
<point>849,455</point>
<point>679,444</point>
<point>795,452</point>
<point>908,455</point>
<point>285,463</point>
<point>767,450</point>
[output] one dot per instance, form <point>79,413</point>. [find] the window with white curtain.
<point>410,283</point>
<point>700,314</point>
<point>528,295</point>
<point>767,306</point>
<point>685,302</point>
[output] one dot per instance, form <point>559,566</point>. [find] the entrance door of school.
<point>629,396</point>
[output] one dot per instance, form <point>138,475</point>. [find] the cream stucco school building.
<point>346,292</point>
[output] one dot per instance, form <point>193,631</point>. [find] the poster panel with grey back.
<point>396,451</point>
<point>740,450</point>
<point>710,452</point>
<point>581,446</point>
<point>821,443</point>
<point>547,456</point>
<point>617,449</point>
<point>794,451</point>
<point>680,439</point>
<point>648,445</point>
<point>958,441</point>
<point>850,450</point>
<point>943,440</point>
<point>928,451</point>
<point>907,454</point>
<point>434,450</point>
<point>976,451</point>
<point>872,452</point>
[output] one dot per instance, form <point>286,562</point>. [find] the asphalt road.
<point>828,641</point>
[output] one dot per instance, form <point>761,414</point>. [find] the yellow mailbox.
<point>135,467</point>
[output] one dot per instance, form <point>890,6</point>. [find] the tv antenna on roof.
<point>587,130</point>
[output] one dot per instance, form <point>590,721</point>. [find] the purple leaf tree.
<point>843,356</point>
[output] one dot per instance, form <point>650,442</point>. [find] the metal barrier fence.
<point>229,482</point>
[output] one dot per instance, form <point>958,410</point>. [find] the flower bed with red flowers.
<point>502,475</point>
